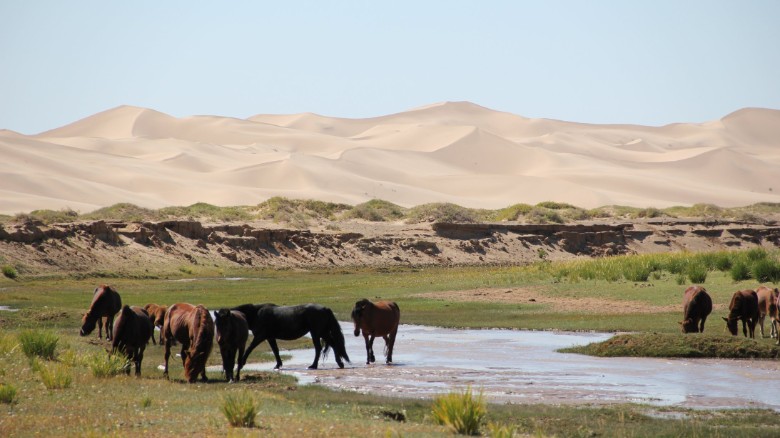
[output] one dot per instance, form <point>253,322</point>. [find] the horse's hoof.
<point>312,367</point>
<point>341,365</point>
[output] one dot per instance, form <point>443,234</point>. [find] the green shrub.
<point>513,212</point>
<point>281,209</point>
<point>496,430</point>
<point>7,393</point>
<point>765,270</point>
<point>54,375</point>
<point>37,343</point>
<point>376,210</point>
<point>755,254</point>
<point>740,271</point>
<point>10,272</point>
<point>555,205</point>
<point>65,215</point>
<point>239,409</point>
<point>460,412</point>
<point>441,212</point>
<point>637,272</point>
<point>146,402</point>
<point>697,272</point>
<point>681,279</point>
<point>123,212</point>
<point>108,365</point>
<point>539,215</point>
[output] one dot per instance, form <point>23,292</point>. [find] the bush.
<point>460,412</point>
<point>7,393</point>
<point>37,343</point>
<point>123,212</point>
<point>540,215</point>
<point>9,271</point>
<point>240,410</point>
<point>765,270</point>
<point>54,375</point>
<point>513,212</point>
<point>697,272</point>
<point>108,365</point>
<point>637,272</point>
<point>441,212</point>
<point>740,271</point>
<point>376,210</point>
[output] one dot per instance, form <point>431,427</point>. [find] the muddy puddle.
<point>523,367</point>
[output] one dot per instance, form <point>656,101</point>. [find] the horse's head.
<point>222,323</point>
<point>357,314</point>
<point>88,323</point>
<point>731,324</point>
<point>688,326</point>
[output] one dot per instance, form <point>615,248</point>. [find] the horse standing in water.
<point>106,302</point>
<point>131,334</point>
<point>272,322</point>
<point>377,319</point>
<point>157,316</point>
<point>232,333</point>
<point>193,328</point>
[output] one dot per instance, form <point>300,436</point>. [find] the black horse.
<point>271,322</point>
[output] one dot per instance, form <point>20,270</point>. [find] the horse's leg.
<point>701,325</point>
<point>317,350</point>
<point>100,327</point>
<point>275,349</point>
<point>238,369</point>
<point>110,327</point>
<point>761,324</point>
<point>183,354</point>
<point>167,354</point>
<point>227,362</point>
<point>255,342</point>
<point>368,348</point>
<point>371,356</point>
<point>391,343</point>
<point>139,359</point>
<point>752,326</point>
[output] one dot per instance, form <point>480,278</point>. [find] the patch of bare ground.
<point>555,303</point>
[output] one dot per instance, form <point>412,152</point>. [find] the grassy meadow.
<point>88,405</point>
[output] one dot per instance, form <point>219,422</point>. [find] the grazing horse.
<point>697,305</point>
<point>272,322</point>
<point>744,306</point>
<point>377,319</point>
<point>232,333</point>
<point>157,316</point>
<point>767,303</point>
<point>193,328</point>
<point>131,334</point>
<point>105,302</point>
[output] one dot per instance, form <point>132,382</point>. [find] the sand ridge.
<point>455,152</point>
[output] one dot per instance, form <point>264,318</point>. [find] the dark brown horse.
<point>767,303</point>
<point>232,333</point>
<point>106,302</point>
<point>193,328</point>
<point>744,306</point>
<point>697,305</point>
<point>377,319</point>
<point>131,334</point>
<point>157,316</point>
<point>272,322</point>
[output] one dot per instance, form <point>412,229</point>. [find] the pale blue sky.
<point>644,62</point>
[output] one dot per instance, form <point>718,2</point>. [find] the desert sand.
<point>455,152</point>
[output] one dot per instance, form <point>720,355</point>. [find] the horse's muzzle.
<point>357,332</point>
<point>82,333</point>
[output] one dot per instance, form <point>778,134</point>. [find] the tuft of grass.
<point>7,393</point>
<point>442,212</point>
<point>10,272</point>
<point>38,343</point>
<point>239,409</point>
<point>740,271</point>
<point>513,212</point>
<point>54,375</point>
<point>461,412</point>
<point>108,365</point>
<point>497,430</point>
<point>146,402</point>
<point>697,273</point>
<point>679,345</point>
<point>765,270</point>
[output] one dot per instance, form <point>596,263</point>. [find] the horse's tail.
<point>121,327</point>
<point>333,335</point>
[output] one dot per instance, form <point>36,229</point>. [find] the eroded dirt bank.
<point>122,247</point>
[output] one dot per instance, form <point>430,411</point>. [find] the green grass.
<point>108,365</point>
<point>8,393</point>
<point>9,272</point>
<point>39,343</point>
<point>679,345</point>
<point>461,412</point>
<point>240,409</point>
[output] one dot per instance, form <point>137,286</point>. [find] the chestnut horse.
<point>105,303</point>
<point>131,334</point>
<point>377,319</point>
<point>232,333</point>
<point>272,322</point>
<point>767,303</point>
<point>193,328</point>
<point>697,305</point>
<point>744,306</point>
<point>157,316</point>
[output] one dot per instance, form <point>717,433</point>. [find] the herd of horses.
<point>749,306</point>
<point>194,328</point>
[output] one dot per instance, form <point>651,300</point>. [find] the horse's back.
<point>697,302</point>
<point>133,327</point>
<point>106,301</point>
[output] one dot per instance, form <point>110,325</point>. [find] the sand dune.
<point>448,152</point>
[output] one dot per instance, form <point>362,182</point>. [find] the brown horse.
<point>697,305</point>
<point>105,303</point>
<point>744,306</point>
<point>193,328</point>
<point>377,319</point>
<point>767,303</point>
<point>232,334</point>
<point>131,334</point>
<point>157,316</point>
